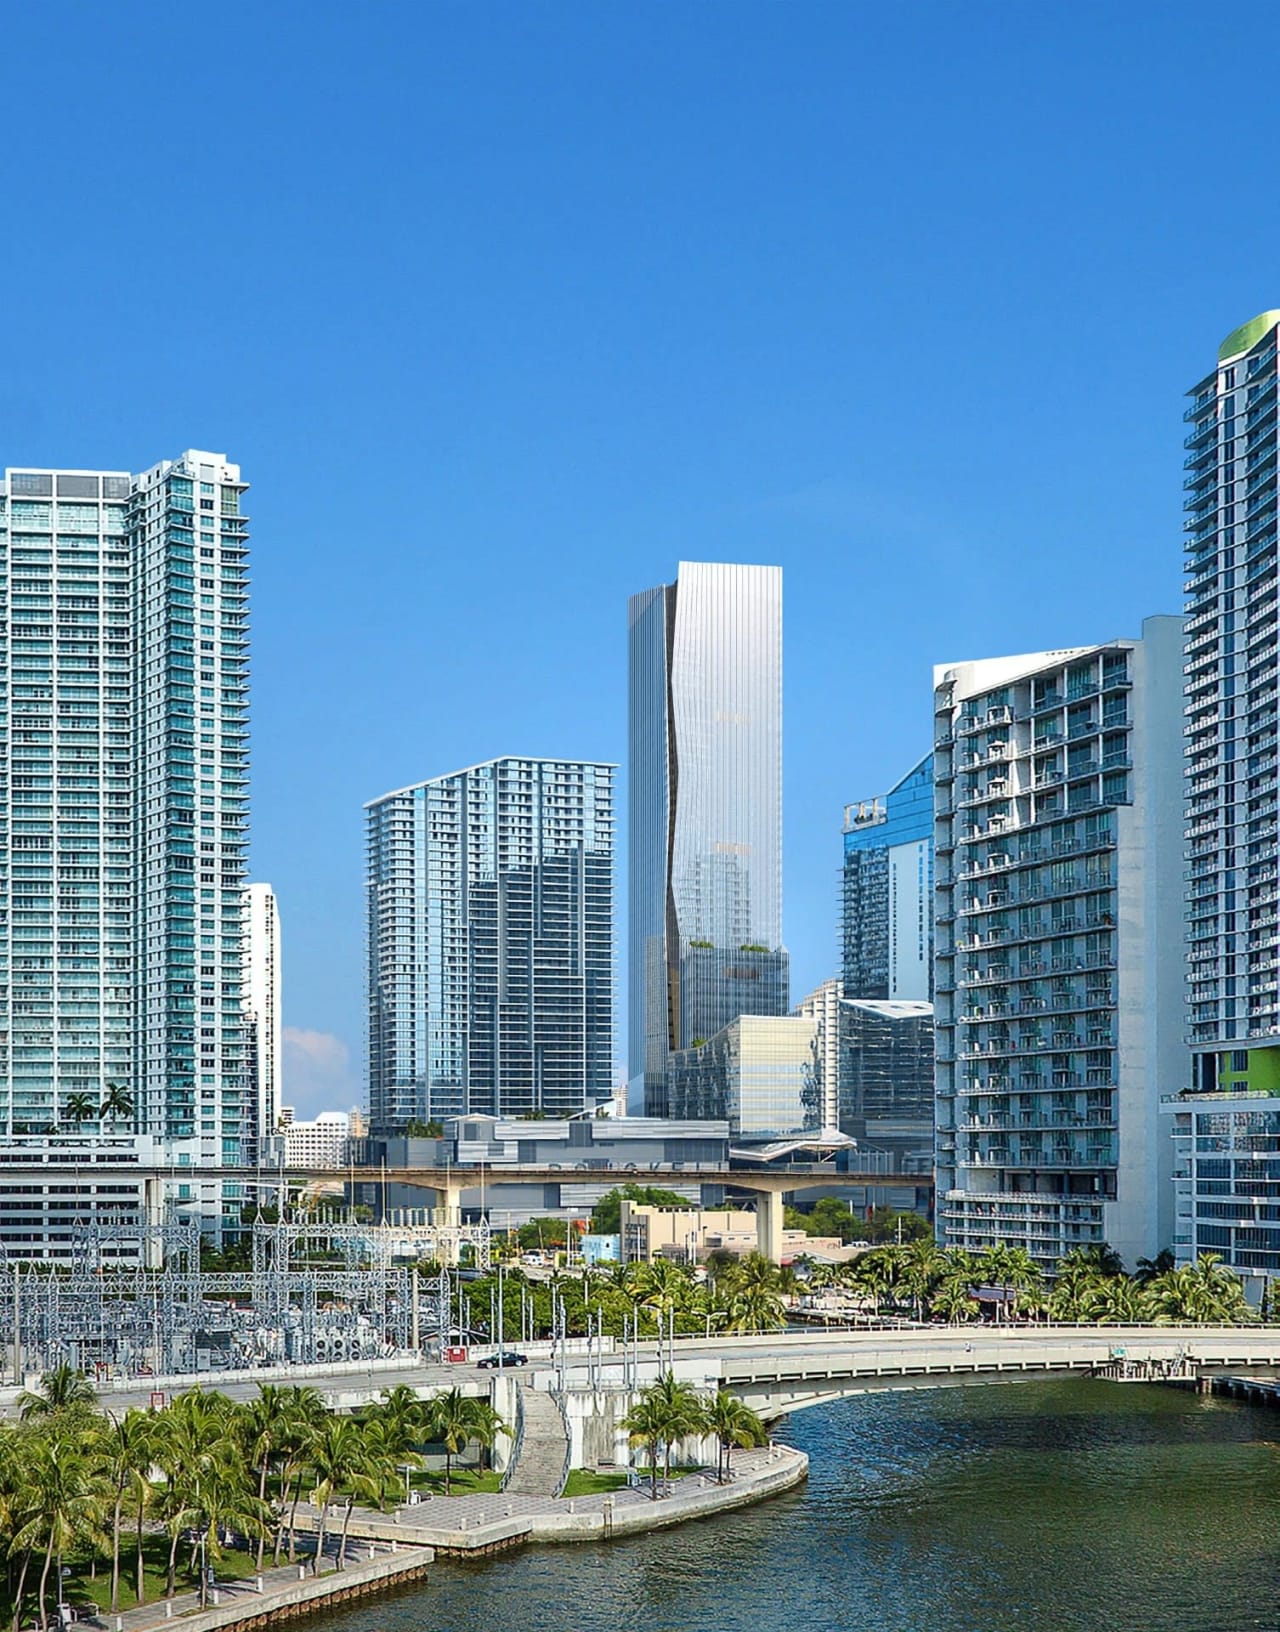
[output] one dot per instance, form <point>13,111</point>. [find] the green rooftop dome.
<point>1248,334</point>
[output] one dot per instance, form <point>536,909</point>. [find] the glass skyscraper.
<point>490,943</point>
<point>123,803</point>
<point>1227,1128</point>
<point>705,790</point>
<point>888,891</point>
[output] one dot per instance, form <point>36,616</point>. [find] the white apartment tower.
<point>123,804</point>
<point>261,947</point>
<point>1058,879</point>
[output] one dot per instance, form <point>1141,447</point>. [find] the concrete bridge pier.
<point>769,1213</point>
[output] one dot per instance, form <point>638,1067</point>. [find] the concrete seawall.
<point>314,1593</point>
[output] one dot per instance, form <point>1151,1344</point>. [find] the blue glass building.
<point>888,891</point>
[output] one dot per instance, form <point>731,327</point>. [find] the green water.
<point>1070,1507</point>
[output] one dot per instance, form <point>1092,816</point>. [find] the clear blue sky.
<point>504,309</point>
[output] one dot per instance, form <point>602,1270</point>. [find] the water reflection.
<point>1071,1507</point>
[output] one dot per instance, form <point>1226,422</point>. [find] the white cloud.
<point>317,1073</point>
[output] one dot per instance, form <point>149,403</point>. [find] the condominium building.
<point>888,891</point>
<point>123,804</point>
<point>705,791</point>
<point>491,942</point>
<point>1227,1126</point>
<point>1058,922</point>
<point>261,1004</point>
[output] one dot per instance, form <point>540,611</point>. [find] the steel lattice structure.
<point>315,1290</point>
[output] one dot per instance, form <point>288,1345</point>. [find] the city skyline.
<point>566,368</point>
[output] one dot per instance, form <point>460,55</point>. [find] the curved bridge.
<point>789,1371</point>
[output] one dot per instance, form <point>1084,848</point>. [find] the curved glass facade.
<point>705,812</point>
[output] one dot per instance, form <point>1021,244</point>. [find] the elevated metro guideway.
<point>767,1184</point>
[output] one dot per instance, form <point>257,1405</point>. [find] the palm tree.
<point>452,1424</point>
<point>303,1410</point>
<point>117,1103</point>
<point>681,1409</point>
<point>753,1309</point>
<point>923,1266</point>
<point>62,1390</point>
<point>129,1447</point>
<point>337,1459</point>
<point>645,1424</point>
<point>733,1423</point>
<point>1150,1269</point>
<point>1206,1292</point>
<point>68,1491</point>
<point>953,1299</point>
<point>81,1107</point>
<point>1120,1301</point>
<point>264,1427</point>
<point>1010,1267</point>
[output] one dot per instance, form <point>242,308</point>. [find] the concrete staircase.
<point>543,1449</point>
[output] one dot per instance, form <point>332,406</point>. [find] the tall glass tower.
<point>705,746</point>
<point>888,891</point>
<point>123,803</point>
<point>490,913</point>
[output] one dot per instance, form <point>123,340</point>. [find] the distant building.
<point>585,1158</point>
<point>322,1142</point>
<point>824,1005</point>
<point>491,943</point>
<point>260,919</point>
<point>760,1073</point>
<point>885,1082</point>
<point>888,891</point>
<point>705,789</point>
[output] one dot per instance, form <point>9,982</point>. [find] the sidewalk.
<point>275,1583</point>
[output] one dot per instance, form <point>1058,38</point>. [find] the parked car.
<point>508,1357</point>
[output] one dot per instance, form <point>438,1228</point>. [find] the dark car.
<point>508,1357</point>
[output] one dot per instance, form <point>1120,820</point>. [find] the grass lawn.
<point>585,1482</point>
<point>95,1593</point>
<point>464,1482</point>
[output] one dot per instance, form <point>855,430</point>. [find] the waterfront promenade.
<point>385,1550</point>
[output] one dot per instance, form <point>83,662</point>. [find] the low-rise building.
<point>322,1142</point>
<point>762,1074</point>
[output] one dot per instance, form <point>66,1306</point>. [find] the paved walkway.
<point>153,1613</point>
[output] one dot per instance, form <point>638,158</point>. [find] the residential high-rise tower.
<point>123,806</point>
<point>705,791</point>
<point>261,1002</point>
<point>1227,1129</point>
<point>491,943</point>
<point>1058,933</point>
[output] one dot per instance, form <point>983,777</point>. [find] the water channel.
<point>1066,1507</point>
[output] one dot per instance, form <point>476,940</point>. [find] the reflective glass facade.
<point>762,1074</point>
<point>888,891</point>
<point>123,806</point>
<point>1231,694</point>
<point>705,744</point>
<point>1227,1176</point>
<point>886,1074</point>
<point>490,911</point>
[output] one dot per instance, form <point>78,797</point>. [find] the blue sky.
<point>505,309</point>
